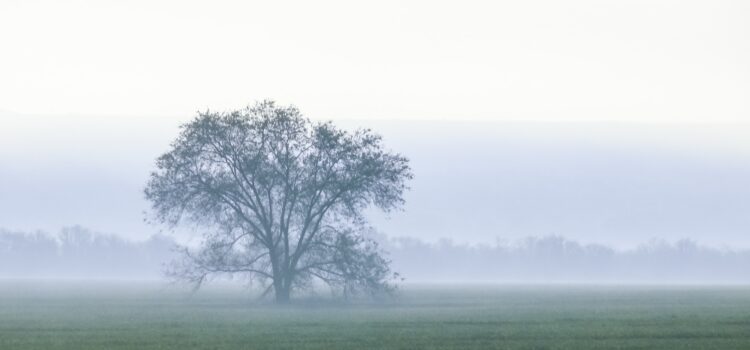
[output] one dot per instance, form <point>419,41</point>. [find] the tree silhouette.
<point>283,197</point>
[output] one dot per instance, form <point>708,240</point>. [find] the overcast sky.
<point>551,60</point>
<point>604,121</point>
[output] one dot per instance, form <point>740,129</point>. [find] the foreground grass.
<point>117,316</point>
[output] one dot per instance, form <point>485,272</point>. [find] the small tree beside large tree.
<point>282,198</point>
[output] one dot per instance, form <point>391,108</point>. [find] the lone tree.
<point>282,198</point>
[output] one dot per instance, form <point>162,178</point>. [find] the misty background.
<point>577,140</point>
<point>491,201</point>
<point>619,184</point>
<point>78,253</point>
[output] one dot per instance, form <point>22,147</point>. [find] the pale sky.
<point>666,61</point>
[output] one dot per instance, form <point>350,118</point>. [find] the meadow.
<point>125,315</point>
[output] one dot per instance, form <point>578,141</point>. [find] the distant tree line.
<point>76,252</point>
<point>557,259</point>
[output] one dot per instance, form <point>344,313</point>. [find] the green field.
<point>81,316</point>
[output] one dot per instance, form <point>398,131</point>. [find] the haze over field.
<point>80,254</point>
<point>620,184</point>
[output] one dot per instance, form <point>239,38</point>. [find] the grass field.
<point>78,316</point>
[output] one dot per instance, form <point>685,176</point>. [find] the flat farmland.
<point>125,315</point>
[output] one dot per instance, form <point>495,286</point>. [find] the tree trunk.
<point>280,287</point>
<point>282,294</point>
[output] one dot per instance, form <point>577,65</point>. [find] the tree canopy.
<point>283,199</point>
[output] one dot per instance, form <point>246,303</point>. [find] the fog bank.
<point>78,253</point>
<point>620,184</point>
